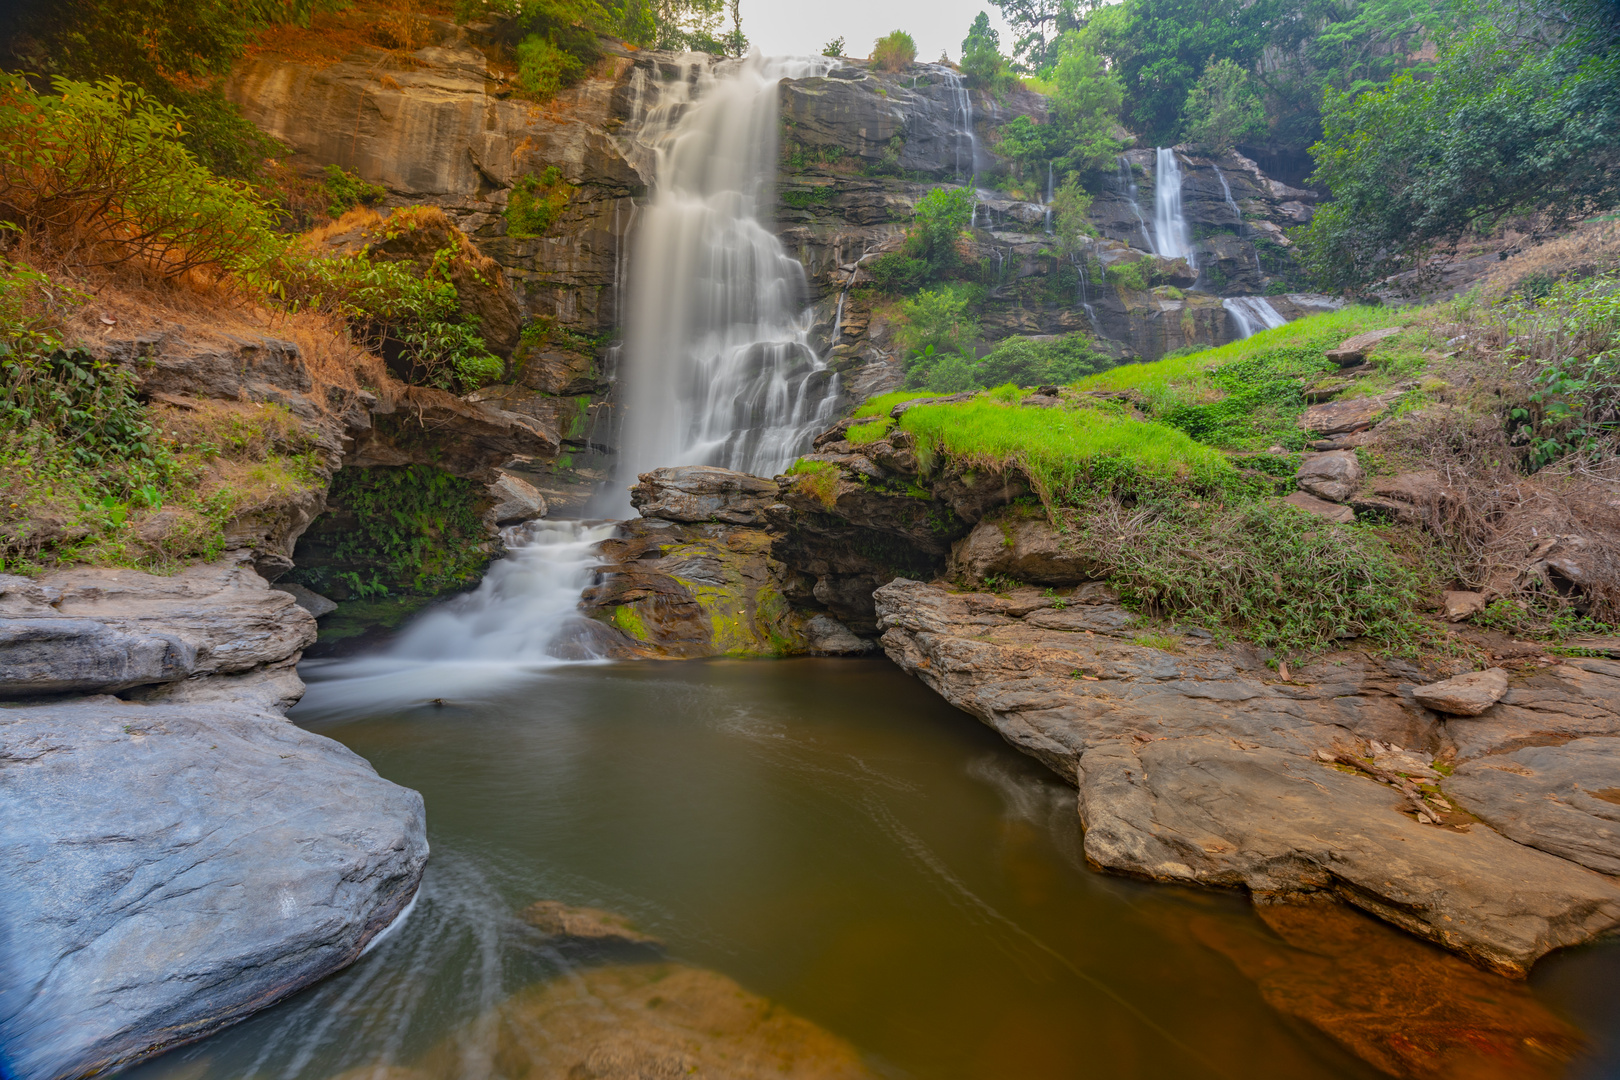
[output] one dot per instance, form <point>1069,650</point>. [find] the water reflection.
<point>828,843</point>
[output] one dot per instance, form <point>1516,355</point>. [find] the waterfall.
<point>1174,241</point>
<point>1079,261</point>
<point>1050,193</point>
<point>964,124</point>
<point>1252,314</point>
<point>718,368</point>
<point>521,616</point>
<point>1127,184</point>
<point>1226,189</point>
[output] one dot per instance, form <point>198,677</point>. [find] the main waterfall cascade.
<point>1172,239</point>
<point>717,367</point>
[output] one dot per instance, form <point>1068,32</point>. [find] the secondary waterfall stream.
<point>717,366</point>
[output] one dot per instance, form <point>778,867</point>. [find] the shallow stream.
<point>836,839</point>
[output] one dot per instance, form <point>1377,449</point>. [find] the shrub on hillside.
<point>346,191</point>
<point>392,308</point>
<point>895,51</point>
<point>99,174</point>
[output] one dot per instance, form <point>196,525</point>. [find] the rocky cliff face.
<point>859,148</point>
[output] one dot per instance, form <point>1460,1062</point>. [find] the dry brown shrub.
<point>1493,524</point>
<point>1592,248</point>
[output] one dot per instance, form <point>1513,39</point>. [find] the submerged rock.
<point>170,867</point>
<point>637,1022</point>
<point>1409,1009</point>
<point>557,919</point>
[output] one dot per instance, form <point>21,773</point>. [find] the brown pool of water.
<point>825,846</point>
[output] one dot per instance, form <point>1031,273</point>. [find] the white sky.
<point>802,27</point>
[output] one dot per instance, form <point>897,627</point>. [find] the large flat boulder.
<point>1562,799</point>
<point>169,867</point>
<point>692,493</point>
<point>1198,763</point>
<point>61,656</point>
<point>213,618</point>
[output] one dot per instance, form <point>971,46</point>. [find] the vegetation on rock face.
<point>89,473</point>
<point>99,172</point>
<point>535,202</point>
<point>414,530</point>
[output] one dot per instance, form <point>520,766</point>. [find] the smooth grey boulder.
<point>516,500</point>
<point>60,656</point>
<point>169,867</point>
<point>308,599</point>
<point>1561,799</point>
<point>703,493</point>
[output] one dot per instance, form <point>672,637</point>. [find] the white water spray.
<point>718,368</point>
<point>1127,184</point>
<point>523,616</point>
<point>1172,239</point>
<point>1252,314</point>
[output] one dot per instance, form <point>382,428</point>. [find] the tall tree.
<point>1039,25</point>
<point>1522,114</point>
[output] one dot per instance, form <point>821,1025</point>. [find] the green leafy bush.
<point>897,272</point>
<point>99,173</point>
<point>1223,108</point>
<point>895,51</point>
<point>544,68</point>
<point>936,318</point>
<point>535,202</point>
<point>413,319</point>
<point>1137,276</point>
<point>1023,362</point>
<point>346,191</point>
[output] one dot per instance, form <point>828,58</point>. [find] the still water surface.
<point>832,836</point>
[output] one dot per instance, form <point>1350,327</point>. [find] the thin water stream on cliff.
<point>833,837</point>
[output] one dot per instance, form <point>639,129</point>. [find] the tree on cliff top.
<point>1222,108</point>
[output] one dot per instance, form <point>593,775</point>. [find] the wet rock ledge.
<point>178,857</point>
<point>1198,764</point>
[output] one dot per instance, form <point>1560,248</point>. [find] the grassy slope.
<point>1163,471</point>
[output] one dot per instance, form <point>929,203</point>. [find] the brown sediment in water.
<point>1408,1008</point>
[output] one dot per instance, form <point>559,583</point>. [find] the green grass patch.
<point>818,479</point>
<point>1183,378</point>
<point>880,405</point>
<point>870,432</point>
<point>1067,454</point>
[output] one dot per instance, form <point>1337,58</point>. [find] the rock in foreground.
<point>1198,764</point>
<point>637,1022</point>
<point>169,867</point>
